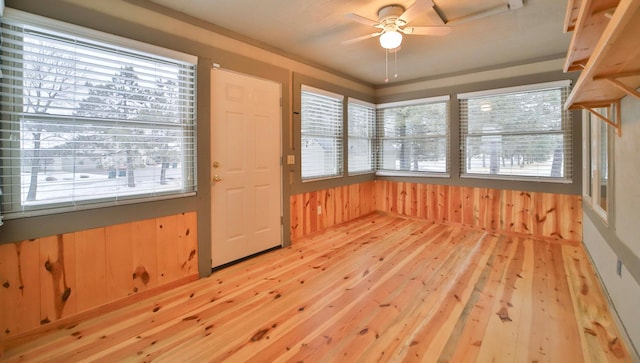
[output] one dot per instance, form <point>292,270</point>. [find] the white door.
<point>246,174</point>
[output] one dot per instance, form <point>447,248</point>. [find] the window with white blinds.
<point>414,135</point>
<point>321,133</point>
<point>88,122</point>
<point>361,127</point>
<point>522,133</point>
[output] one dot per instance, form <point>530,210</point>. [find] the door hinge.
<point>281,220</point>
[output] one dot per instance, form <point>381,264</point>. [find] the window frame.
<point>566,131</point>
<point>110,43</point>
<point>592,146</point>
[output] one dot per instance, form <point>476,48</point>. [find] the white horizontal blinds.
<point>517,133</point>
<point>414,137</point>
<point>86,122</point>
<point>361,130</point>
<point>321,133</point>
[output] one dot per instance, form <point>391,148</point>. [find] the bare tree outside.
<point>48,76</point>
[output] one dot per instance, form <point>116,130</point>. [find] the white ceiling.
<point>313,30</point>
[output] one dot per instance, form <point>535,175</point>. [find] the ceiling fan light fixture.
<point>390,39</point>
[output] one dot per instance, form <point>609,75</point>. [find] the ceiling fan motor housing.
<point>390,15</point>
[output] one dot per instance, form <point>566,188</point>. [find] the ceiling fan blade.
<point>361,19</point>
<point>415,9</point>
<point>372,35</point>
<point>427,30</point>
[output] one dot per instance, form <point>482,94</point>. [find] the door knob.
<point>217,178</point>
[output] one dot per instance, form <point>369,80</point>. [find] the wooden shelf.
<point>613,68</point>
<point>571,17</point>
<point>588,20</point>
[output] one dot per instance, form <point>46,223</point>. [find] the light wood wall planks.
<point>542,215</point>
<point>337,205</point>
<point>50,278</point>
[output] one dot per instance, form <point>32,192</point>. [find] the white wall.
<point>627,176</point>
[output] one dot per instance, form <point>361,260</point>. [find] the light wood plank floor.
<point>380,288</point>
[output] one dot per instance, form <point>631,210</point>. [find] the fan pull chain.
<point>386,65</point>
<point>396,63</point>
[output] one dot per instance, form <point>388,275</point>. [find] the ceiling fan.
<point>392,23</point>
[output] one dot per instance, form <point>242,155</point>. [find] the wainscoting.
<point>46,279</point>
<point>316,211</point>
<point>535,214</point>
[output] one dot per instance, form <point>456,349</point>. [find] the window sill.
<point>420,174</point>
<point>518,178</point>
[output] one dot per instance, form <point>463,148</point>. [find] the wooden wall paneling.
<point>468,206</point>
<point>429,210</point>
<point>119,260</point>
<point>443,203</point>
<point>455,202</point>
<point>57,268</point>
<point>537,214</point>
<point>413,199</point>
<point>380,190</point>
<point>311,213</point>
<point>341,201</point>
<point>507,211</point>
<point>167,249</point>
<point>392,193</point>
<point>368,193</point>
<point>391,196</point>
<point>522,215</point>
<point>538,211</point>
<point>483,206</point>
<point>494,199</point>
<point>328,213</point>
<point>354,201</point>
<point>570,217</point>
<point>188,243</point>
<point>144,258</point>
<point>19,287</point>
<point>296,218</point>
<point>551,208</point>
<point>421,201</point>
<point>91,269</point>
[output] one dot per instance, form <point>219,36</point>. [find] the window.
<point>321,133</point>
<point>87,122</point>
<point>518,132</point>
<point>596,148</point>
<point>362,118</point>
<point>414,135</point>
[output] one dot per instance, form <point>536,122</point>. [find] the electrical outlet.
<point>619,268</point>
<point>319,210</point>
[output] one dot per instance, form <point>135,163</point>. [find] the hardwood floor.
<point>380,288</point>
